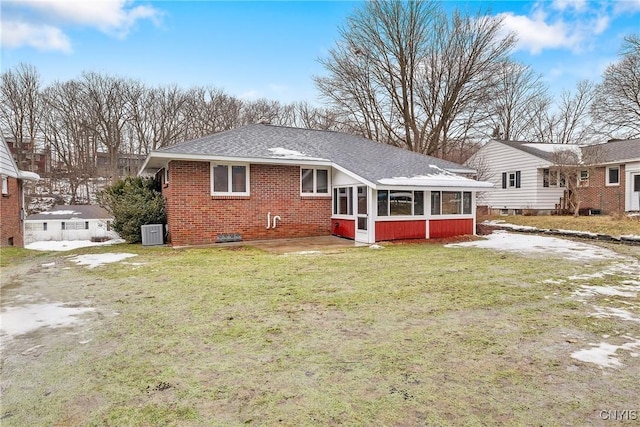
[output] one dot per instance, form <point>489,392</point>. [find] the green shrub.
<point>134,202</point>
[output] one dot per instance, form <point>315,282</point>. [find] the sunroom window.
<point>229,179</point>
<point>342,201</point>
<point>451,203</point>
<point>400,203</point>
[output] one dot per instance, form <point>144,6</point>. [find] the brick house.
<point>525,179</point>
<point>267,182</point>
<point>12,199</point>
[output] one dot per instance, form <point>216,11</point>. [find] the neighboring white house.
<point>524,177</point>
<point>70,222</point>
<point>520,174</point>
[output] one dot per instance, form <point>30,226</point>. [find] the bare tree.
<point>20,110</point>
<point>575,166</point>
<point>159,117</point>
<point>210,110</point>
<point>616,106</point>
<point>569,123</point>
<point>520,98</point>
<point>108,102</point>
<point>407,74</point>
<point>64,124</point>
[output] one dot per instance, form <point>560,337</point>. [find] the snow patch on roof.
<point>29,176</point>
<point>284,153</point>
<point>439,178</point>
<point>61,212</point>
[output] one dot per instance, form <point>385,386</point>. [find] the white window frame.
<point>583,178</point>
<point>230,179</point>
<point>609,183</point>
<point>5,185</point>
<point>315,181</point>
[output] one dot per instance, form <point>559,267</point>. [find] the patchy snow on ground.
<point>67,245</point>
<point>20,320</point>
<point>541,245</point>
<point>96,260</point>
<point>604,355</point>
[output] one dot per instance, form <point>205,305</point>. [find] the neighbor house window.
<point>451,202</point>
<point>583,178</point>
<point>229,179</point>
<point>5,185</point>
<point>552,178</point>
<point>613,175</point>
<point>314,181</point>
<point>75,225</point>
<point>400,203</point>
<point>511,179</point>
<point>342,201</point>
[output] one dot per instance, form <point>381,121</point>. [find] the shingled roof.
<point>67,212</point>
<point>608,152</point>
<point>372,161</point>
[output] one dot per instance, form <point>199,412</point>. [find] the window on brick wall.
<point>314,181</point>
<point>613,175</point>
<point>5,185</point>
<point>229,179</point>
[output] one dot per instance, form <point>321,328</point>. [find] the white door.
<point>635,192</point>
<point>362,214</point>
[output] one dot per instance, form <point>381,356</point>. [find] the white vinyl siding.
<point>531,194</point>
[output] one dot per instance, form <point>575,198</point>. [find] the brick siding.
<point>195,217</point>
<point>608,199</point>
<point>10,220</point>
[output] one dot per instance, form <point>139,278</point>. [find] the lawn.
<point>604,224</point>
<point>412,334</point>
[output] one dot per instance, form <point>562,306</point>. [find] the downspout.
<point>269,220</point>
<point>276,218</point>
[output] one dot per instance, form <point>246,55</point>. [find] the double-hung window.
<point>229,179</point>
<point>314,181</point>
<point>511,179</point>
<point>613,175</point>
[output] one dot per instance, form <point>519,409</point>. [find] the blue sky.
<point>270,49</point>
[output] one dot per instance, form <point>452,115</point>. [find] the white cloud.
<point>534,34</point>
<point>42,37</point>
<point>561,24</point>
<point>626,6</point>
<point>41,24</point>
<point>109,16</point>
<point>562,5</point>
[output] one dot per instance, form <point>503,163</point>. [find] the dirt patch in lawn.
<point>414,334</point>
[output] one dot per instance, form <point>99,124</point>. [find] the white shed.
<point>70,222</point>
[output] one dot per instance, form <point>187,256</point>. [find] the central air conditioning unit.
<point>152,234</point>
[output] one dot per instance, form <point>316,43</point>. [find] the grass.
<point>407,335</point>
<point>604,224</point>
